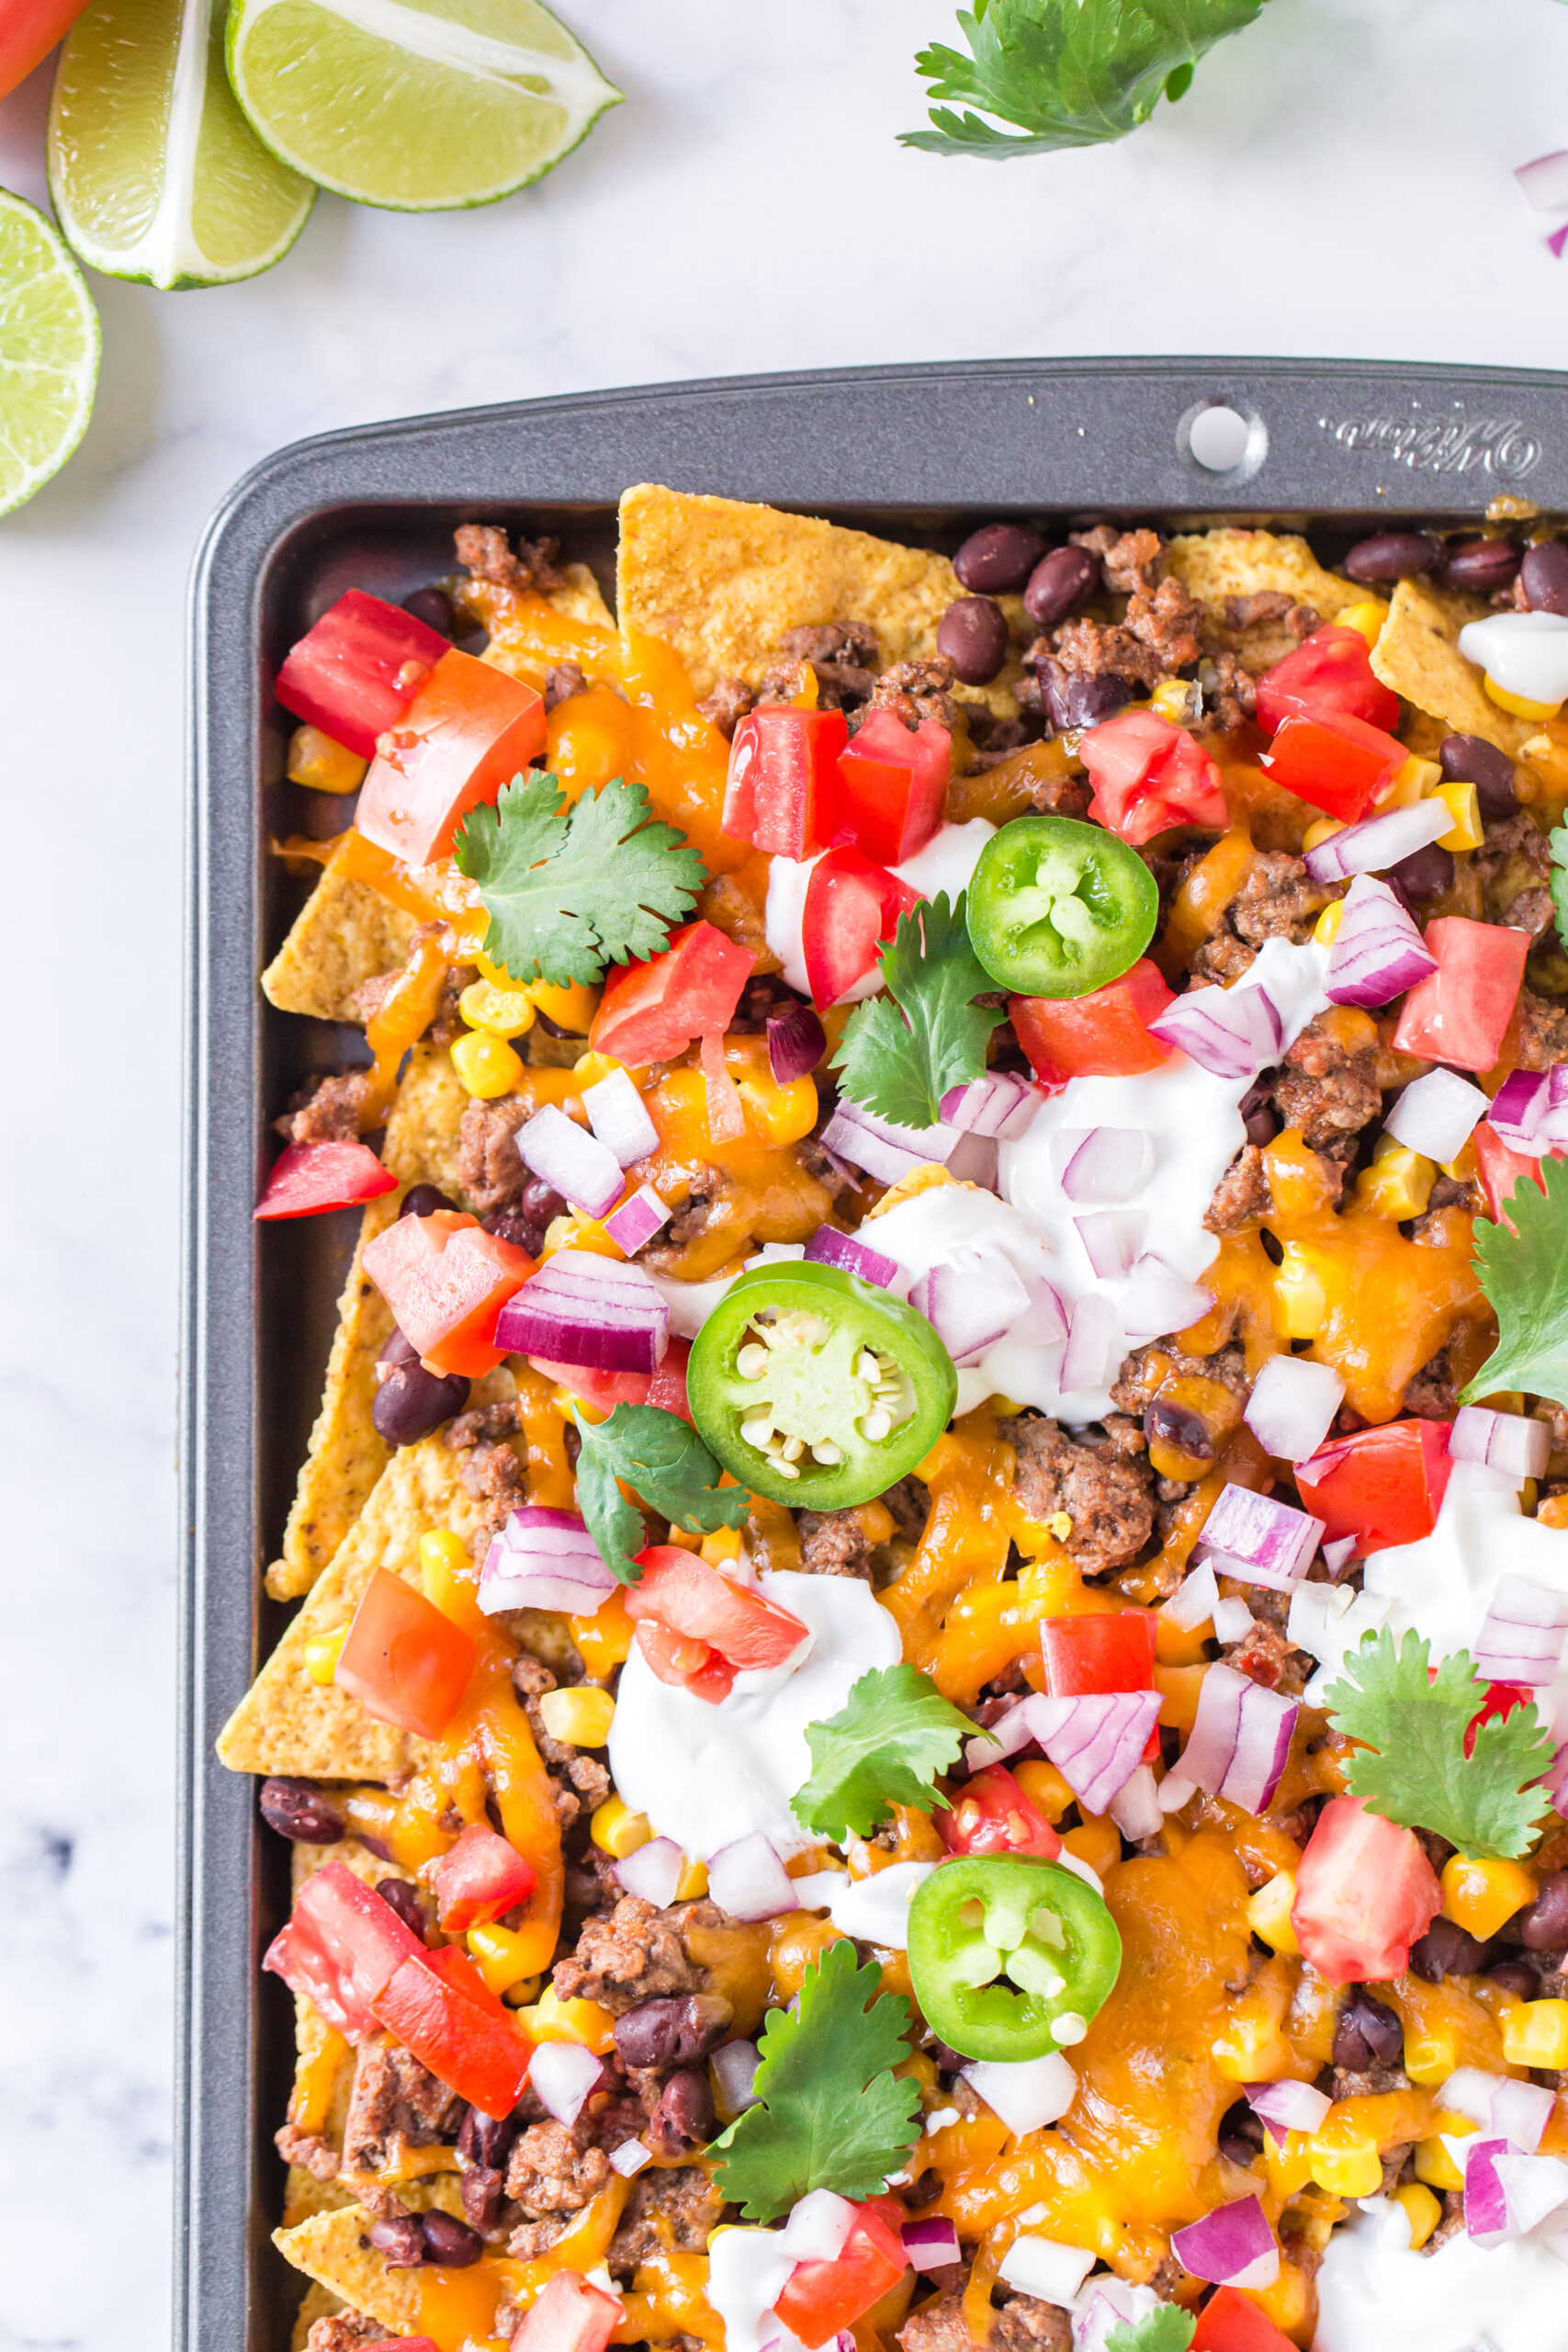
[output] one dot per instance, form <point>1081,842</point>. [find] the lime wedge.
<point>49,352</point>
<point>417,105</point>
<point>156,173</point>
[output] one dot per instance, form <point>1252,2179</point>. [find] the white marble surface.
<point>1337,183</point>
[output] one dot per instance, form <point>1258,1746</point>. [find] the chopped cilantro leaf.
<point>1418,1774</point>
<point>834,2113</point>
<point>1167,2329</point>
<point>664,1461</point>
<point>1523,1266</point>
<point>893,1734</point>
<point>1557,843</point>
<point>571,891</point>
<point>902,1052</point>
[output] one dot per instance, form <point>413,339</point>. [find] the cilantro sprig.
<point>664,1461</point>
<point>1557,843</point>
<point>833,2114</point>
<point>884,1747</point>
<point>1167,2329</point>
<point>901,1052</point>
<point>1523,1266</point>
<point>1418,1774</point>
<point>568,890</point>
<point>1065,72</point>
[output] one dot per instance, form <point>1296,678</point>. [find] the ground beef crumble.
<point>489,1171</point>
<point>328,1110</point>
<point>1019,2323</point>
<point>675,2210</point>
<point>1278,899</point>
<point>343,2332</point>
<point>484,551</point>
<point>637,1954</point>
<point>834,1544</point>
<point>1326,1090</point>
<point>842,656</point>
<point>582,1783</point>
<point>918,690</point>
<point>727,704</point>
<point>1104,1486</point>
<point>393,2095</point>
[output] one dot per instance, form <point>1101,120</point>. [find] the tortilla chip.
<point>318,2303</point>
<point>1212,565</point>
<point>1417,654</point>
<point>426,1112</point>
<point>580,599</point>
<point>721,581</point>
<point>331,2248</point>
<point>345,935</point>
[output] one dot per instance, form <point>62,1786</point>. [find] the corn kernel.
<point>1463,802</point>
<point>1435,2166</point>
<point>1397,1183</point>
<point>499,1012</point>
<point>1411,783</point>
<point>781,1114</point>
<point>581,1716</point>
<point>1520,705</point>
<point>553,2020</point>
<point>321,1653</point>
<point>616,1830</point>
<point>1535,2033</point>
<point>1269,1914</point>
<point>1348,2172</point>
<point>1481,1896</point>
<point>1431,2057</point>
<point>1322,828</point>
<point>323,764</point>
<point>1326,931</point>
<point>1098,1843</point>
<point>1045,1788</point>
<point>1368,617</point>
<point>523,1996</point>
<point>692,1880</point>
<point>501,1954</point>
<point>571,1007</point>
<point>1301,1302</point>
<point>722,1548</point>
<point>1422,2210</point>
<point>442,1554</point>
<point>486,1066</point>
<point>1179,700</point>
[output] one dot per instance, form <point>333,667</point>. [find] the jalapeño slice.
<point>1009,1959</point>
<point>1058,908</point>
<point>816,1388</point>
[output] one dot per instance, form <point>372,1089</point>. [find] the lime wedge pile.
<point>49,352</point>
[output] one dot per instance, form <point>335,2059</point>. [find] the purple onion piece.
<point>1522,1634</point>
<point>1377,952</point>
<point>582,1168</point>
<point>1000,1104</point>
<point>582,1308</point>
<point>828,1247</point>
<point>972,1302</point>
<point>1512,1444</point>
<point>797,1043</point>
<point>1230,1032</point>
<point>1097,1741</point>
<point>1261,1533</point>
<point>1378,843</point>
<point>633,1226</point>
<point>618,1116</point>
<point>1233,2246</point>
<point>1437,1114</point>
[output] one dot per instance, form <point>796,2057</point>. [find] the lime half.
<point>49,352</point>
<point>156,173</point>
<point>417,105</point>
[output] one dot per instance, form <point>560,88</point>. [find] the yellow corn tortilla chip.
<point>345,935</point>
<point>330,2247</point>
<point>1417,654</point>
<point>722,580</point>
<point>422,1124</point>
<point>319,2303</point>
<point>1212,565</point>
<point>580,599</point>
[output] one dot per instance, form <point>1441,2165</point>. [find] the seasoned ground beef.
<point>1090,649</point>
<point>1325,1091</point>
<point>1231,691</point>
<point>918,690</point>
<point>309,2150</point>
<point>1543,1032</point>
<point>833,1543</point>
<point>1272,605</point>
<point>1148,1368</point>
<point>1512,866</point>
<point>1433,1395</point>
<point>691,1220</point>
<point>489,1171</point>
<point>814,1158</point>
<point>1167,622</point>
<point>727,704</point>
<point>842,656</point>
<point>582,1783</point>
<point>673,2210</point>
<point>490,1471</point>
<point>1106,1488</point>
<point>909,1503</point>
<point>564,681</point>
<point>483,551</point>
<point>1019,2323</point>
<point>394,2095</point>
<point>1267,1657</point>
<point>1130,561</point>
<point>1277,901</point>
<point>327,1111</point>
<point>343,2332</point>
<point>553,2169</point>
<point>637,1954</point>
<point>1242,1196</point>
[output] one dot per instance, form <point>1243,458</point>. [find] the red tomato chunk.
<point>1329,671</point>
<point>1365,1892</point>
<point>821,2298</point>
<point>991,1815</point>
<point>851,904</point>
<point>1382,1485</point>
<point>1460,1013</point>
<point>1338,763</point>
<point>468,730</point>
<point>438,2006</point>
<point>478,1878</point>
<point>892,786</point>
<point>1104,1034</point>
<point>570,2316</point>
<point>340,1948</point>
<point>698,1629</point>
<point>355,675</point>
<point>404,1660</point>
<point>783,789</point>
<point>1149,777</point>
<point>651,1011</point>
<point>446,1280</point>
<point>308,1177</point>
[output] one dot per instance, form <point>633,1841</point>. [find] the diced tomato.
<point>666,1387</point>
<point>821,2298</point>
<point>1499,1169</point>
<point>1501,1700</point>
<point>1460,1013</point>
<point>309,1177</point>
<point>991,1815</point>
<point>401,2344</point>
<point>571,2316</point>
<point>478,1878</point>
<point>446,1280</point>
<point>1365,1892</point>
<point>1229,2322</point>
<point>471,728</point>
<point>355,675</point>
<point>438,2006</point>
<point>1104,1034</point>
<point>1108,1649</point>
<point>687,1614</point>
<point>340,1948</point>
<point>783,791</point>
<point>650,1013</point>
<point>1382,1485</point>
<point>1149,777</point>
<point>404,1660</point>
<point>892,786</point>
<point>1336,762</point>
<point>851,904</point>
<point>1329,671</point>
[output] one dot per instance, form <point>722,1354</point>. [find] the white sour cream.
<point>874,1910</point>
<point>933,1228</point>
<point>706,1775</point>
<point>747,2273</point>
<point>1525,653</point>
<point>1375,2295</point>
<point>946,863</point>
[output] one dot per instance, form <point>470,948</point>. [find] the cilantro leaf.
<point>834,2113</point>
<point>1167,2329</point>
<point>1419,1775</point>
<point>1523,1266</point>
<point>664,1460</point>
<point>1066,72</point>
<point>892,1735</point>
<point>571,891</point>
<point>1557,843</point>
<point>902,1052</point>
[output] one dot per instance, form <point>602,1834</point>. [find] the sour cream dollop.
<point>747,2274</point>
<point>874,1910</point>
<point>706,1775</point>
<point>1375,2295</point>
<point>946,863</point>
<point>1525,653</point>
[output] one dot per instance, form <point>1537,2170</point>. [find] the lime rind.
<point>50,347</point>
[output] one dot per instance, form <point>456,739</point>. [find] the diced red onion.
<point>975,1160</point>
<point>654,1871</point>
<point>999,1104</point>
<point>1519,1106</point>
<point>1174,1791</point>
<point>817,2225</point>
<point>1112,2303</point>
<point>1105,1164</point>
<point>971,1303</point>
<point>1096,1741</point>
<point>1095,1344</point>
<point>828,1247</point>
<point>1240,1740</point>
<point>1555,1780</point>
<point>1111,1240</point>
<point>1437,1114</point>
<point>1233,2246</point>
<point>582,1308</point>
<point>1048,1318</point>
<point>797,1043</point>
<point>1338,1554</point>
<point>1045,2268</point>
<point>748,1880</point>
<point>1288,2107</point>
<point>1292,1405</point>
<point>883,1150</point>
<point>727,1116</point>
<point>563,2074</point>
<point>1135,1806</point>
<point>1506,2193</point>
<point>1262,1541</point>
<point>543,1560</point>
<point>1469,2091</point>
<point>1194,1600</point>
<point>1157,1299</point>
<point>582,1168</point>
<point>1522,1634</point>
<point>930,2246</point>
<point>735,2064</point>
<point>1378,843</point>
<point>1026,2094</point>
<point>1377,952</point>
<point>618,1116</point>
<point>629,2158</point>
<point>1521,2111</point>
<point>1512,1444</point>
<point>635,1223</point>
<point>1543,181</point>
<point>1230,1032</point>
<point>1233,1621</point>
<point>1015,1730</point>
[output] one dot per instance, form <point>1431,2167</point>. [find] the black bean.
<point>1178,1426</point>
<point>1470,759</point>
<point>401,1895</point>
<point>1516,1976</point>
<point>673,2032</point>
<point>398,2240</point>
<point>1425,875</point>
<point>509,1225</point>
<point>997,557</point>
<point>301,1810</point>
<point>424,1199</point>
<point>1482,566</point>
<point>449,2241</point>
<point>487,2139</point>
<point>398,1349</point>
<point>1272,1249</point>
<point>1367,2034</point>
<point>1241,2134</point>
<point>541,1204</point>
<point>481,2189</point>
<point>410,1402</point>
<point>1084,701</point>
<point>1544,1925</point>
<point>946,2057</point>
<point>1059,583</point>
<point>1543,576</point>
<point>434,607</point>
<point>684,2118</point>
<point>1445,1950</point>
<point>973,633</point>
<point>1393,555</point>
<point>1259,1116</point>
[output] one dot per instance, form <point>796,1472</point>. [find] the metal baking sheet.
<point>919,453</point>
